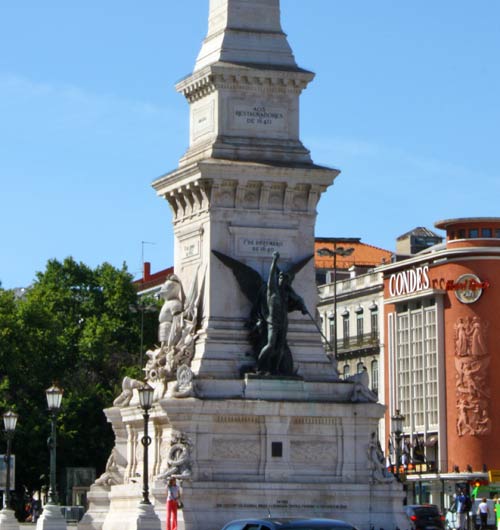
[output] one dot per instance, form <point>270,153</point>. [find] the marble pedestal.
<point>94,517</point>
<point>51,518</point>
<point>8,520</point>
<point>284,454</point>
<point>126,512</point>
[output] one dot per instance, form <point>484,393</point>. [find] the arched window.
<point>359,367</point>
<point>345,327</point>
<point>346,371</point>
<point>331,325</point>
<point>359,326</point>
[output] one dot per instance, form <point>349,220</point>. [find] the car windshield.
<point>426,511</point>
<point>305,526</point>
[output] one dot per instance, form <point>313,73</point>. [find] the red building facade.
<point>442,329</point>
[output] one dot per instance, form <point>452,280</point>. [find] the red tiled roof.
<point>363,255</point>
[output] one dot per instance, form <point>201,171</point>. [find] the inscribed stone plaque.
<point>258,117</point>
<point>261,246</point>
<point>203,120</point>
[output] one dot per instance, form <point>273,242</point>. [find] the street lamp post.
<point>146,401</point>
<point>337,251</point>
<point>397,429</point>
<point>51,518</point>
<point>147,519</point>
<point>9,422</point>
<point>8,519</point>
<point>54,398</point>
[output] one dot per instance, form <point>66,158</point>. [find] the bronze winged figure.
<point>271,302</point>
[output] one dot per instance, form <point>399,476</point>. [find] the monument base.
<point>94,517</point>
<point>127,513</point>
<point>8,520</point>
<point>250,457</point>
<point>51,518</point>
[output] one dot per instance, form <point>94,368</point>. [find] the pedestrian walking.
<point>483,511</point>
<point>464,504</point>
<point>173,500</point>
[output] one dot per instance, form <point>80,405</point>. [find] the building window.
<point>345,329</point>
<point>461,233</point>
<point>374,375</point>
<point>497,232</point>
<point>474,233</point>
<point>374,321</point>
<point>331,325</point>
<point>486,232</point>
<point>346,371</point>
<point>360,367</point>
<point>416,366</point>
<point>359,327</point>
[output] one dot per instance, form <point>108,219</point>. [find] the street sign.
<point>3,472</point>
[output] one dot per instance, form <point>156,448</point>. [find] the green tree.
<point>79,327</point>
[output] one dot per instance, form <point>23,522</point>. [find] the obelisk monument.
<point>246,186</point>
<point>244,439</point>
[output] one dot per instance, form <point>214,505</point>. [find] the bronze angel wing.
<point>293,268</point>
<point>249,280</point>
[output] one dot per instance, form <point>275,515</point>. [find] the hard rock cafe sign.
<point>468,288</point>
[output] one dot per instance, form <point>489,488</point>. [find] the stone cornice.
<point>231,185</point>
<point>245,77</point>
<point>213,168</point>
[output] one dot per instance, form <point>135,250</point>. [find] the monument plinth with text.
<point>249,414</point>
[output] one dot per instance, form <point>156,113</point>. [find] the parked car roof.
<point>283,523</point>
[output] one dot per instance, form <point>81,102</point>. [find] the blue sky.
<point>406,102</point>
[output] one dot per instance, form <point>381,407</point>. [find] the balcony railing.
<point>358,342</point>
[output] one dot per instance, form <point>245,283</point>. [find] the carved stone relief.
<point>113,474</point>
<point>471,363</point>
<point>235,449</point>
<point>179,458</point>
<point>376,462</point>
<point>313,452</point>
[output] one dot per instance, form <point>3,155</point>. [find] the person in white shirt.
<point>483,510</point>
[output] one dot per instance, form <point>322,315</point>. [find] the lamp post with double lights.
<point>7,518</point>
<point>397,429</point>
<point>337,251</point>
<point>51,518</point>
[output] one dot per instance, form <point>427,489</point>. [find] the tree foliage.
<point>81,328</point>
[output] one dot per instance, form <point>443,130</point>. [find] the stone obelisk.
<point>246,186</point>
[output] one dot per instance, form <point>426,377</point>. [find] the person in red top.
<point>173,498</point>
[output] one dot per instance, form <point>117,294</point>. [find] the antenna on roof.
<point>142,250</point>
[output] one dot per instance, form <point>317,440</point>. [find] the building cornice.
<point>441,256</point>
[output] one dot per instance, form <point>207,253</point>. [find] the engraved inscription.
<point>285,504</point>
<point>259,116</point>
<point>202,120</point>
<point>260,246</point>
<point>190,249</point>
